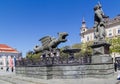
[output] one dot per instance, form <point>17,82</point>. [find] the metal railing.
<point>54,61</point>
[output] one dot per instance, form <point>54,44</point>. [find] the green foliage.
<point>115,44</point>
<point>78,46</point>
<point>64,55</point>
<point>29,54</point>
<point>32,55</point>
<point>85,48</point>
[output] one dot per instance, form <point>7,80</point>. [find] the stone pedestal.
<point>101,48</point>
<point>101,53</point>
<point>101,60</point>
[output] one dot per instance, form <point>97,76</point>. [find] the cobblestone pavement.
<point>4,82</point>
<point>12,78</point>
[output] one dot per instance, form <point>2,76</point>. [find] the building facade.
<point>112,30</point>
<point>8,56</point>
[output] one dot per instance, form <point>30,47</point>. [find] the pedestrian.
<point>115,66</point>
<point>11,63</point>
<point>118,65</point>
<point>12,69</point>
<point>7,69</point>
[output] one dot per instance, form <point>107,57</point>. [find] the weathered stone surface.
<point>101,59</point>
<point>67,72</point>
<point>101,48</point>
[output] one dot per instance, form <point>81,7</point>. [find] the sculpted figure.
<point>99,23</point>
<point>49,43</point>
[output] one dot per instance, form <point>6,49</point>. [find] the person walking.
<point>7,65</point>
<point>118,65</point>
<point>115,66</point>
<point>7,69</point>
<point>11,64</point>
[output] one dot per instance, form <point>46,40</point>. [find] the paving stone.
<point>12,78</point>
<point>4,82</point>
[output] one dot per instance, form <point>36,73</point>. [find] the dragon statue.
<point>49,43</point>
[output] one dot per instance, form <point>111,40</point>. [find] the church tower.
<point>83,27</point>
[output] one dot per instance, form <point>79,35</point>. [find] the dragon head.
<point>62,36</point>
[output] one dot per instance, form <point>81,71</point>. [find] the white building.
<point>7,54</point>
<point>112,29</point>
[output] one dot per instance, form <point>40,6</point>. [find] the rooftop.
<point>7,49</point>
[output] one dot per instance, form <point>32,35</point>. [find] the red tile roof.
<point>7,49</point>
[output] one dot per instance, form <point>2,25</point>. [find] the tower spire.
<point>83,23</point>
<point>83,20</point>
<point>83,26</point>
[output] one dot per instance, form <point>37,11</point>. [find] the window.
<point>87,38</point>
<point>119,31</point>
<point>84,30</point>
<point>1,63</point>
<point>110,33</point>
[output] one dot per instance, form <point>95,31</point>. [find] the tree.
<point>115,44</point>
<point>29,54</point>
<point>32,55</point>
<point>85,48</point>
<point>64,55</point>
<point>77,46</point>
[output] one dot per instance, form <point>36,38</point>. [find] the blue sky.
<point>24,22</point>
